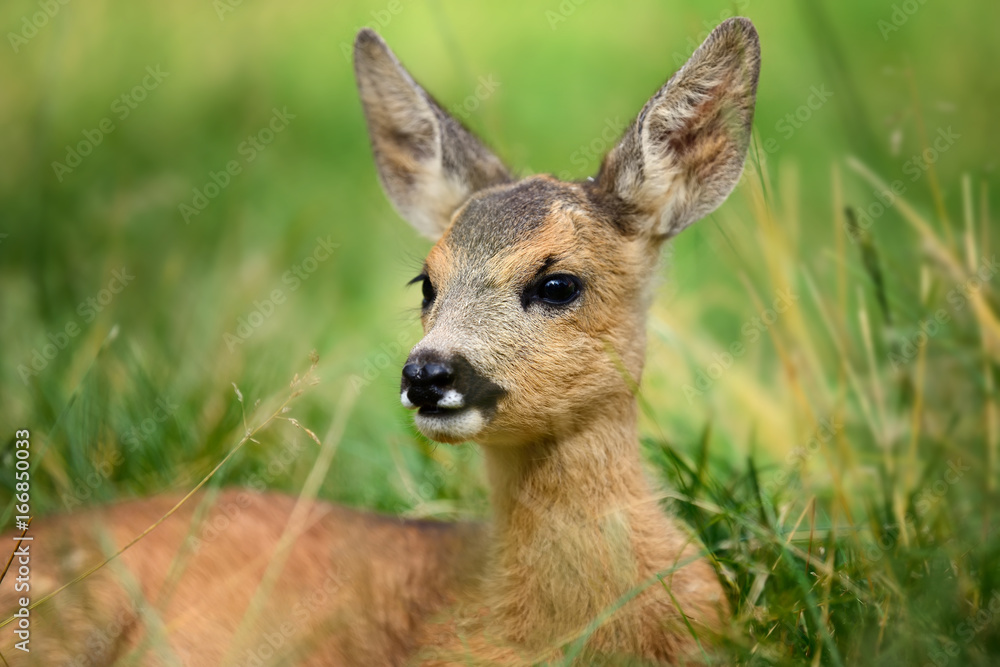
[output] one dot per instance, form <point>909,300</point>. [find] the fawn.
<point>534,300</point>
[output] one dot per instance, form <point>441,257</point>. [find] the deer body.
<point>354,592</point>
<point>535,295</point>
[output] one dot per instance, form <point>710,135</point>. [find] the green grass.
<point>842,471</point>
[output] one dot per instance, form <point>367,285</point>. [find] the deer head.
<point>535,292</point>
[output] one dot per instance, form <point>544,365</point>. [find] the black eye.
<point>559,290</point>
<point>429,293</point>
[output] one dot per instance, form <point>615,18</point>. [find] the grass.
<point>842,469</point>
<point>873,540</point>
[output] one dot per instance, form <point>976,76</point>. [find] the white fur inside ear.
<point>428,163</point>
<point>675,214</point>
<point>685,153</point>
<point>439,197</point>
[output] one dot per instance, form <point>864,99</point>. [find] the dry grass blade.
<point>297,520</point>
<point>246,438</point>
<point>944,257</point>
<point>17,546</point>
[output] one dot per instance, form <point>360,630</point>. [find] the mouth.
<point>449,425</point>
<point>439,411</point>
<point>451,401</point>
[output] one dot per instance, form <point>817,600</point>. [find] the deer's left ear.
<point>428,163</point>
<point>684,154</point>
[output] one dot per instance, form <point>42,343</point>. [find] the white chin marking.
<point>449,427</point>
<point>452,400</point>
<point>405,400</point>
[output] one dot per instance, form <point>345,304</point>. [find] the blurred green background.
<point>118,121</point>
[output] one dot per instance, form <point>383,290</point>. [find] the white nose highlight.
<point>405,400</point>
<point>452,400</point>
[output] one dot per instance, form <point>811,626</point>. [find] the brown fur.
<point>354,590</point>
<point>579,555</point>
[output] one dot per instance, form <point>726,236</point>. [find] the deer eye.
<point>558,290</point>
<point>427,288</point>
<point>429,292</point>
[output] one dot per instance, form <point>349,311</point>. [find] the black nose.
<point>425,381</point>
<point>430,374</point>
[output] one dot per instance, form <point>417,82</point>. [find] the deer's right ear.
<point>683,155</point>
<point>427,162</point>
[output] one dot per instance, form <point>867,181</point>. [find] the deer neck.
<point>572,516</point>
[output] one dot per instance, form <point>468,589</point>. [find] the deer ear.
<point>427,162</point>
<point>684,154</point>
